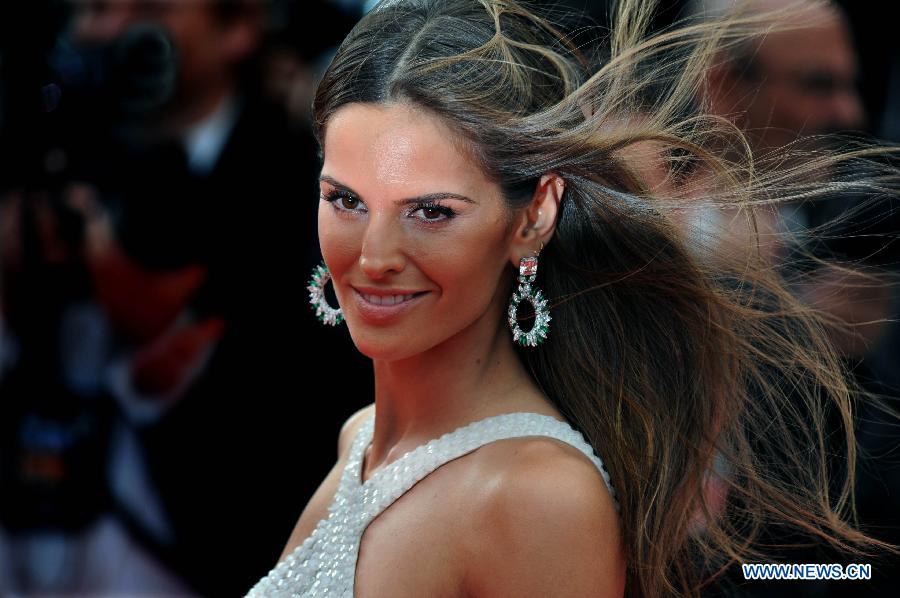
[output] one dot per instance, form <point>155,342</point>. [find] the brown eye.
<point>348,201</point>
<point>342,201</point>
<point>433,212</point>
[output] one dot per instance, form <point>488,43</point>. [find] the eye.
<point>342,200</point>
<point>433,211</point>
<point>345,201</point>
<point>822,84</point>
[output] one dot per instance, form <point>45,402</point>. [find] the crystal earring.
<point>538,333</point>
<point>325,313</point>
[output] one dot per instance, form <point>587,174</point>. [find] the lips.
<point>387,299</point>
<point>383,308</point>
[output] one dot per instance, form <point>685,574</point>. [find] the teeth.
<point>387,300</point>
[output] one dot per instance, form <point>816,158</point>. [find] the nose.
<point>382,248</point>
<point>847,110</point>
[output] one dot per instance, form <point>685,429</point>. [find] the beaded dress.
<point>325,563</point>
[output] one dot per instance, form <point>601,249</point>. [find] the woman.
<point>474,161</point>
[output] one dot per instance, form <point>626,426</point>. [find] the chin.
<point>384,347</point>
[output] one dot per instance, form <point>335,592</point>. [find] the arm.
<point>187,347</point>
<point>546,526</point>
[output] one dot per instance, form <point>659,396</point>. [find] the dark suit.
<point>238,457</point>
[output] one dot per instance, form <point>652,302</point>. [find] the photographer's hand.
<point>140,303</point>
<point>164,365</point>
<point>150,381</point>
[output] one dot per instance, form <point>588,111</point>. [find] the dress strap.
<point>352,476</point>
<point>391,482</point>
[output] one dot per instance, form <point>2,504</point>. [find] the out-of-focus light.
<point>50,96</point>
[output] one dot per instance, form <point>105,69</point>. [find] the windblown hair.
<point>669,358</point>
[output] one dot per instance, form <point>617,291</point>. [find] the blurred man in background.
<point>161,324</point>
<point>799,85</point>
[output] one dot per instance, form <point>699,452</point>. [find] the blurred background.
<point>168,401</point>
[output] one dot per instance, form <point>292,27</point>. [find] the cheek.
<point>814,112</point>
<point>793,110</point>
<point>338,243</point>
<point>465,267</point>
<point>462,265</point>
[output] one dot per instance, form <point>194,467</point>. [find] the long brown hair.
<point>667,361</point>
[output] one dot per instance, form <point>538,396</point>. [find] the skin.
<point>144,305</point>
<point>208,48</point>
<point>780,108</point>
<point>783,104</point>
<point>517,517</point>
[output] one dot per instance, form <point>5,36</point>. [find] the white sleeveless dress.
<point>325,563</point>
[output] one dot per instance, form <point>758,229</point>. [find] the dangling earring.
<point>325,313</point>
<point>527,275</point>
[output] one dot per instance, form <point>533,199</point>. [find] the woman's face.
<point>405,211</point>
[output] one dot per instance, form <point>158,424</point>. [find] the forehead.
<point>396,145</point>
<point>822,43</point>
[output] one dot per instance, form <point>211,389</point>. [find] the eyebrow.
<point>429,197</point>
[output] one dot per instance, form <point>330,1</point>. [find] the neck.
<point>179,117</point>
<point>473,375</point>
<point>196,108</point>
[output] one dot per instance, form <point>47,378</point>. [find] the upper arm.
<point>546,526</point>
<point>348,430</point>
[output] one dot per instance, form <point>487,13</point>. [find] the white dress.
<point>325,563</point>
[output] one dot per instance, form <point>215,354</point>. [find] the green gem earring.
<point>326,314</point>
<point>538,333</point>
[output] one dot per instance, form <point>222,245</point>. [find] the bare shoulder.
<point>544,524</point>
<point>351,426</point>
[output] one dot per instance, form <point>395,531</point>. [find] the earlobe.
<point>241,40</point>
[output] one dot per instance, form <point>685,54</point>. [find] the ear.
<point>242,37</point>
<point>537,222</point>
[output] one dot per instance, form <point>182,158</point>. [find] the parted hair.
<point>674,362</point>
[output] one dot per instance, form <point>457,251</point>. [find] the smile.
<point>380,308</point>
<point>387,299</point>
